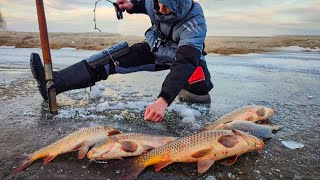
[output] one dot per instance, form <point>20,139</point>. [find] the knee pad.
<point>108,55</point>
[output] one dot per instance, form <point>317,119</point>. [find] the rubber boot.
<point>186,96</point>
<point>76,76</point>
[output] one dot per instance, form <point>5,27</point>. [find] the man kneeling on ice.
<point>175,41</point>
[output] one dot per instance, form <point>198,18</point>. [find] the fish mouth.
<point>270,112</point>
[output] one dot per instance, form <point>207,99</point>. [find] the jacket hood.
<point>179,8</point>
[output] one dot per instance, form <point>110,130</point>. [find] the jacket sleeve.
<point>187,59</point>
<point>138,7</point>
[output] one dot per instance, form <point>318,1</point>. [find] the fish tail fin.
<point>130,169</point>
<point>276,128</point>
<point>25,164</point>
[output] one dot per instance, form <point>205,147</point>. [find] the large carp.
<point>249,113</point>
<point>259,130</point>
<point>80,140</point>
<point>125,145</point>
<point>204,148</point>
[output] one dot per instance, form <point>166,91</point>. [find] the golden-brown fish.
<point>80,140</point>
<point>125,145</point>
<point>259,130</point>
<point>249,113</point>
<point>204,148</point>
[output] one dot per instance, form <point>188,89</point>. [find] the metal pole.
<point>46,57</point>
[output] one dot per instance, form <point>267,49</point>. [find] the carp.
<point>204,148</point>
<point>125,145</point>
<point>249,113</point>
<point>259,130</point>
<point>80,140</point>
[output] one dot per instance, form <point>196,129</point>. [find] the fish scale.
<point>183,144</point>
<point>76,136</point>
<point>258,130</point>
<point>80,140</point>
<point>125,145</point>
<point>204,147</point>
<point>248,113</point>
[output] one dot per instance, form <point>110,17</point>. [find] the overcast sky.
<point>224,17</point>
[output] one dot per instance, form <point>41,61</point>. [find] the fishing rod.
<point>46,57</point>
<point>118,13</point>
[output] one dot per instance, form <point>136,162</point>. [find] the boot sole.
<point>36,75</point>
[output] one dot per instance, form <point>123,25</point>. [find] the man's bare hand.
<point>124,4</point>
<point>156,111</point>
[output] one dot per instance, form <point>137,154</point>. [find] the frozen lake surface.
<point>286,80</point>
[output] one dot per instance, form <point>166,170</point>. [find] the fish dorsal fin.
<point>82,152</point>
<point>222,127</point>
<point>162,164</point>
<point>147,148</point>
<point>129,146</point>
<point>261,111</point>
<point>228,140</point>
<point>114,132</point>
<point>229,161</point>
<point>204,165</point>
<point>201,153</point>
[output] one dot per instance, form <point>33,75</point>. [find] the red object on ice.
<point>197,76</point>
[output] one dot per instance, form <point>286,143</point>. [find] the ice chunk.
<point>102,107</point>
<point>95,92</point>
<point>210,178</point>
<point>292,144</point>
<point>188,114</point>
<point>117,117</point>
<point>101,87</point>
<point>68,49</point>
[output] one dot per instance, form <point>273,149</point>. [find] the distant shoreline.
<point>224,45</point>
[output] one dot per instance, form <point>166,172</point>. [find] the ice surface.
<point>136,91</point>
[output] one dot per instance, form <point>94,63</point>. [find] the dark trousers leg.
<point>138,56</point>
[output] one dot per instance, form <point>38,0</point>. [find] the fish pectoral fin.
<point>204,165</point>
<point>49,158</point>
<point>229,161</point>
<point>129,146</point>
<point>201,153</point>
<point>162,164</point>
<point>114,132</point>
<point>77,147</point>
<point>147,148</point>
<point>83,152</point>
<point>228,140</point>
